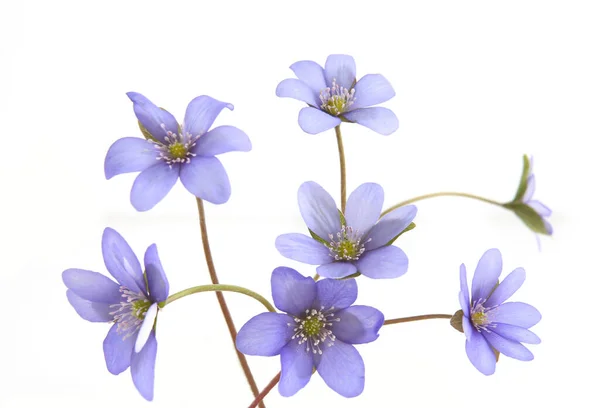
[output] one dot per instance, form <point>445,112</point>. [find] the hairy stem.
<point>338,135</point>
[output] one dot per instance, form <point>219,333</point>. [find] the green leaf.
<point>411,226</point>
<point>456,320</point>
<point>523,183</point>
<point>532,219</point>
<point>342,218</point>
<point>318,238</point>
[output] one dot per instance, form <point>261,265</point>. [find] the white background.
<point>478,84</point>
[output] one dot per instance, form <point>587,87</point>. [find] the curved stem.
<point>416,318</point>
<point>441,194</point>
<point>338,135</point>
<point>219,288</point>
<point>264,392</point>
<point>224,309</point>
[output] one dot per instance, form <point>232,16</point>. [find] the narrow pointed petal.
<point>342,68</point>
<point>516,333</point>
<point>358,324</point>
<point>380,120</point>
<point>549,228</point>
<point>220,140</point>
<point>486,274</point>
<point>265,334</point>
<point>201,113</point>
<point>363,207</point>
<point>481,354</point>
<point>157,121</point>
<point>310,73</point>
<point>507,288</point>
<point>336,270</point>
<point>296,368</point>
<point>372,89</point>
<point>465,303</point>
<point>142,368</point>
<point>152,185</point>
<point>117,351</point>
<point>146,328</point>
<point>127,155</point>
<point>540,208</point>
<point>121,262</point>
<point>507,347</point>
<point>303,248</point>
<point>318,210</point>
<point>315,121</point>
<point>528,195</point>
<point>337,294</point>
<point>389,226</point>
<point>516,313</point>
<point>292,292</point>
<point>158,285</point>
<point>342,368</point>
<point>90,311</point>
<point>296,89</point>
<point>92,286</point>
<point>206,178</point>
<point>467,328</point>
<point>383,263</point>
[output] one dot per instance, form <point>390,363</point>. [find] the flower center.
<point>129,314</point>
<point>314,329</point>
<point>175,147</point>
<point>346,245</point>
<point>336,99</point>
<point>480,316</point>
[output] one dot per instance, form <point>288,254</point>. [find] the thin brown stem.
<point>441,194</point>
<point>338,135</point>
<point>415,318</point>
<point>224,309</point>
<point>263,393</point>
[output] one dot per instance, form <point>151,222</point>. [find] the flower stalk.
<point>338,136</point>
<point>218,288</point>
<point>441,194</point>
<point>417,318</point>
<point>263,393</point>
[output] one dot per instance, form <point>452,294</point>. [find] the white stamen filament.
<point>336,99</point>
<point>346,245</point>
<point>315,329</point>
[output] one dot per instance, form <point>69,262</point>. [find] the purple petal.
<point>302,248</point>
<point>152,185</point>
<point>358,324</point>
<point>206,178</point>
<point>548,227</point>
<point>381,120</point>
<point>200,114</point>
<point>467,327</point>
<point>118,351</point>
<point>486,274</point>
<point>383,263</point>
<point>311,73</point>
<point>92,286</point>
<point>390,225</point>
<point>90,311</point>
<point>265,334</point>
<point>318,210</point>
<point>336,294</point>
<point>516,313</point>
<point>507,287</point>
<point>220,140</point>
<point>296,89</point>
<point>127,155</point>
<point>292,292</point>
<point>157,121</point>
<point>516,333</point>
<point>315,121</point>
<point>342,68</point>
<point>158,285</point>
<point>530,188</point>
<point>481,354</point>
<point>146,328</point>
<point>465,304</point>
<point>363,207</point>
<point>336,270</point>
<point>342,368</point>
<point>142,368</point>
<point>296,368</point>
<point>507,347</point>
<point>372,89</point>
<point>121,262</point>
<point>539,208</point>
